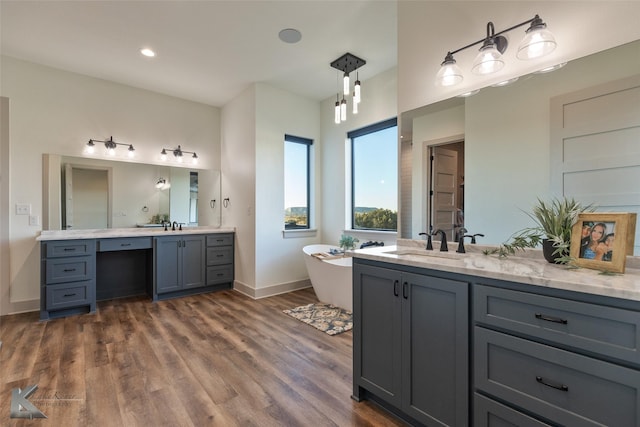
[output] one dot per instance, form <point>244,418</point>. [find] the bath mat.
<point>325,317</point>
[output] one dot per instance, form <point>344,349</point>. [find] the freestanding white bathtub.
<point>331,278</point>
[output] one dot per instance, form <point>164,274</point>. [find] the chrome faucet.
<point>429,244</point>
<point>443,241</point>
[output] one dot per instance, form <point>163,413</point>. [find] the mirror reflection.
<point>514,149</point>
<point>85,193</point>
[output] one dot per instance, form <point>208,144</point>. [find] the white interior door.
<point>444,181</point>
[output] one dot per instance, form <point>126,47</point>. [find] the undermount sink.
<point>426,253</point>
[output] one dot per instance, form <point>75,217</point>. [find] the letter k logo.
<point>21,407</point>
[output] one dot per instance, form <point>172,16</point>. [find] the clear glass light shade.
<point>488,61</point>
<point>163,155</point>
<point>337,113</point>
<point>91,148</point>
<point>355,105</point>
<point>345,84</point>
<point>356,92</point>
<point>538,42</point>
<point>194,159</point>
<point>449,74</point>
<point>343,109</point>
<point>131,152</point>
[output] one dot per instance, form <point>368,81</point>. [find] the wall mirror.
<point>84,193</point>
<point>506,131</point>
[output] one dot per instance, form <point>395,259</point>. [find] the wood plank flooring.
<point>218,359</point>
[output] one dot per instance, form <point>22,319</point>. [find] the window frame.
<point>308,142</point>
<point>376,127</point>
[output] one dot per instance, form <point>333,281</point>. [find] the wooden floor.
<point>218,359</point>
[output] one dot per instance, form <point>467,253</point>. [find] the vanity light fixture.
<point>178,154</point>
<point>110,146</point>
<point>538,42</point>
<point>347,63</point>
<point>161,183</point>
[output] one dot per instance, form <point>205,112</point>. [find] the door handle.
<point>405,290</point>
<point>396,292</point>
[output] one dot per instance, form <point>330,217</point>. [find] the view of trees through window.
<point>296,182</point>
<point>374,172</point>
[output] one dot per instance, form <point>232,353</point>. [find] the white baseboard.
<point>272,290</point>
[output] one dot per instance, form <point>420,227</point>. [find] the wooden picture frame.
<point>602,240</point>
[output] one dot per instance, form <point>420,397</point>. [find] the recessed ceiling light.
<point>506,82</point>
<point>468,94</point>
<point>147,52</point>
<point>551,68</point>
<point>290,35</point>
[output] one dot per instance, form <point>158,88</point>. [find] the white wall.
<point>379,103</point>
<point>53,111</point>
<point>238,169</point>
<point>279,261</point>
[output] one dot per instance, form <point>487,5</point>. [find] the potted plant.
<point>554,222</point>
<point>347,242</point>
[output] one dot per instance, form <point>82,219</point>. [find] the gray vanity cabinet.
<point>411,343</point>
<point>571,362</point>
<point>67,278</point>
<point>179,263</point>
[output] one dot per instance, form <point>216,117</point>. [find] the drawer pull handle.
<point>551,319</point>
<point>125,244</point>
<point>69,295</point>
<point>220,274</point>
<point>219,255</point>
<point>405,290</point>
<point>552,384</point>
<point>69,270</point>
<point>396,291</point>
<point>69,249</point>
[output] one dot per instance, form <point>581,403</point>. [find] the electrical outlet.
<point>34,220</point>
<point>23,209</point>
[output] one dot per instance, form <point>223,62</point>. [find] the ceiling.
<point>207,51</point>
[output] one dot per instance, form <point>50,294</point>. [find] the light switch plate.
<point>34,220</point>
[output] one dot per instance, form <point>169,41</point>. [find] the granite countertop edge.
<point>529,268</point>
<point>109,233</point>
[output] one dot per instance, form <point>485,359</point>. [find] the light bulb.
<point>355,105</point>
<point>111,151</point>
<point>343,110</point>
<point>91,147</point>
<point>356,92</point>
<point>345,81</point>
<point>337,112</point>
<point>194,159</point>
<point>131,152</point>
<point>163,155</point>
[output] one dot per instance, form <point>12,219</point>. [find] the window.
<point>296,182</point>
<point>374,177</point>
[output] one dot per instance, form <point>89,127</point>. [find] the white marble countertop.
<point>107,233</point>
<point>527,267</point>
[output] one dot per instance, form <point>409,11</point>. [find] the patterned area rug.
<point>325,317</point>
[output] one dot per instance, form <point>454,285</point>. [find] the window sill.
<point>294,234</point>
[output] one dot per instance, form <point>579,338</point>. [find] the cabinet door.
<point>168,266</point>
<point>193,263</point>
<point>435,367</point>
<point>377,333</point>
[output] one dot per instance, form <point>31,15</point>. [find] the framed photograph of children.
<point>602,240</point>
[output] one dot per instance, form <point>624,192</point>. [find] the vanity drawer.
<point>66,295</point>
<point>66,248</point>
<point>489,413</point>
<point>219,239</point>
<point>561,386</point>
<point>71,269</point>
<point>597,329</point>
<point>221,274</point>
<point>124,244</point>
<point>218,256</point>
